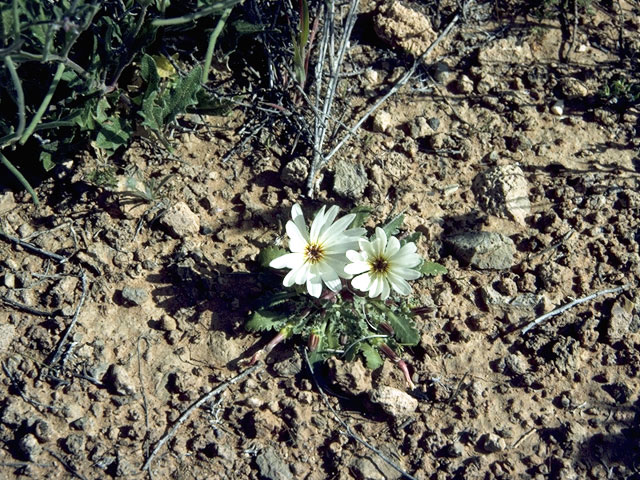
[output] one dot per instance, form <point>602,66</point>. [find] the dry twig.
<point>31,247</point>
<point>58,352</point>
<point>319,161</point>
<point>572,304</point>
<point>185,415</point>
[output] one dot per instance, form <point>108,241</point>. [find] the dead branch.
<point>572,304</point>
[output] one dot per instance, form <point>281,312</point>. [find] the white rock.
<point>503,190</point>
<point>180,221</point>
<point>382,121</point>
<point>558,108</point>
<point>394,402</point>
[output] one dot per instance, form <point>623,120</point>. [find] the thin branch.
<point>347,428</point>
<point>58,352</point>
<point>31,247</point>
<point>185,415</point>
<point>320,163</point>
<point>569,305</point>
<point>28,309</point>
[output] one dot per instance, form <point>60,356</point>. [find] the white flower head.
<point>382,264</point>
<point>318,255</point>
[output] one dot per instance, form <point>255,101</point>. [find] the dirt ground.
<point>502,133</point>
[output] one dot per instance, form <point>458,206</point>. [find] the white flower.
<point>381,264</point>
<point>318,256</point>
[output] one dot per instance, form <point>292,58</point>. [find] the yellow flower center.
<point>313,253</point>
<point>379,265</point>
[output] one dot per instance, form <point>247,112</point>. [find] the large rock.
<point>484,250</point>
<point>394,402</point>
<point>503,191</point>
<point>405,28</point>
<point>350,180</point>
<point>180,221</point>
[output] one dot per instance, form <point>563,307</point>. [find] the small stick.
<point>63,340</point>
<point>569,305</point>
<point>183,417</point>
<point>348,428</point>
<point>523,437</point>
<point>28,309</point>
<point>33,248</point>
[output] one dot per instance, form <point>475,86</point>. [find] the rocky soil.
<point>116,315</point>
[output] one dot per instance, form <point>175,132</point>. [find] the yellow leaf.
<point>165,69</point>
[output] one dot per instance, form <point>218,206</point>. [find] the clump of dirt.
<point>115,317</point>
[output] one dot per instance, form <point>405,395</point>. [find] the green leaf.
<point>414,237</point>
<point>263,320</point>
<point>403,326</point>
<point>362,214</point>
<point>46,160</point>
<point>371,356</point>
<point>269,253</point>
<point>432,268</point>
<point>392,226</point>
<point>149,73</point>
<point>112,134</point>
<point>243,27</point>
<point>182,95</point>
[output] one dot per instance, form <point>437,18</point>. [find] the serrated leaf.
<point>182,95</point>
<point>404,328</point>
<point>362,214</point>
<point>392,226</point>
<point>414,237</point>
<point>371,356</point>
<point>432,268</point>
<point>149,73</point>
<point>263,320</point>
<point>269,253</point>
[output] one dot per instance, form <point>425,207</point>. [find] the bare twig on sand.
<point>185,415</point>
<point>572,304</point>
<point>58,352</point>
<point>347,428</point>
<point>31,247</point>
<point>70,468</point>
<point>319,161</point>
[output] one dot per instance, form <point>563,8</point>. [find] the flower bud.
<point>387,328</point>
<point>313,342</point>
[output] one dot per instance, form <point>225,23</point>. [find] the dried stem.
<point>185,415</point>
<point>569,305</point>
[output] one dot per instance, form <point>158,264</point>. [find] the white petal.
<point>381,235</point>
<point>297,240</point>
<point>367,248</point>
<point>408,248</point>
<point>317,224</point>
<point>302,274</point>
<point>361,282</point>
<point>385,291</point>
<point>376,286</point>
<point>331,215</point>
<point>393,245</point>
<point>314,286</point>
<point>357,267</point>
<point>399,284</point>
<point>288,260</point>
<point>405,260</point>
<point>292,276</point>
<point>354,256</point>
<point>406,273</point>
<point>298,219</point>
<point>332,235</point>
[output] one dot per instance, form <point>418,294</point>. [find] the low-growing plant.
<point>67,71</point>
<point>346,292</point>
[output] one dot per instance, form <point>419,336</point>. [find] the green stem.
<point>17,85</point>
<point>55,58</point>
<point>20,178</point>
<point>44,105</point>
<point>222,6</point>
<point>213,39</point>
